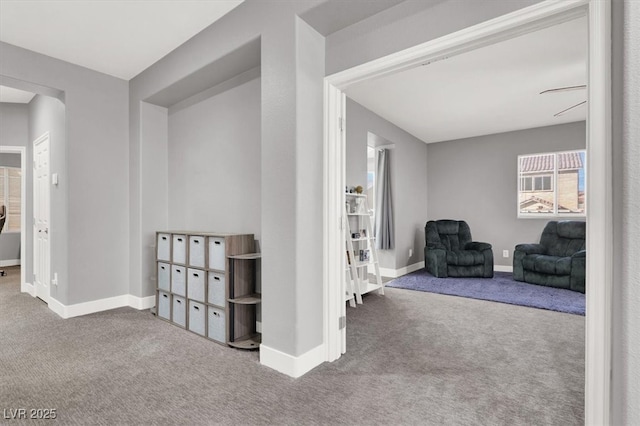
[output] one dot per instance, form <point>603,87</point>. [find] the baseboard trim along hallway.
<point>86,308</point>
<point>291,365</point>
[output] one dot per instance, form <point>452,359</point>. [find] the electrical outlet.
<point>505,253</point>
<point>410,252</point>
<point>54,281</point>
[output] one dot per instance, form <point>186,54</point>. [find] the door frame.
<point>22,150</point>
<point>45,136</point>
<point>599,271</point>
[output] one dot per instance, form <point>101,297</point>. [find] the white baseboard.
<point>86,308</point>
<point>9,262</point>
<point>29,289</point>
<point>291,365</point>
<point>395,273</point>
<point>56,307</point>
<point>142,303</point>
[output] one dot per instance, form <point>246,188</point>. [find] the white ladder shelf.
<point>358,222</point>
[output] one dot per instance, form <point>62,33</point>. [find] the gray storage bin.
<point>164,305</point>
<point>195,284</point>
<point>178,280</point>
<point>179,249</point>
<point>196,251</point>
<point>164,247</point>
<point>164,275</point>
<point>216,323</point>
<point>217,259</point>
<point>196,317</point>
<point>179,315</point>
<point>216,290</point>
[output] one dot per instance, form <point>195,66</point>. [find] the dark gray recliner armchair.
<point>450,252</point>
<point>558,261</point>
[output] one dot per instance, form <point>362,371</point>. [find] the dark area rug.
<point>501,288</point>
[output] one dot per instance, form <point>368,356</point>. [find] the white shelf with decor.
<point>196,283</point>
<point>361,251</point>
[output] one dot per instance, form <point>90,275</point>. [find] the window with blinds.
<point>11,196</point>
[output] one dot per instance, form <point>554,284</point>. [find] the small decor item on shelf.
<point>364,256</point>
<point>359,189</point>
<point>355,235</point>
<point>360,205</point>
<point>363,233</point>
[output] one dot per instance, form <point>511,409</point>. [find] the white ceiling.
<point>115,37</point>
<point>11,95</point>
<point>490,90</point>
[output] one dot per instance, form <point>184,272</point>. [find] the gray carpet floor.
<point>413,358</point>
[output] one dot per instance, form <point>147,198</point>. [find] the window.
<point>552,184</point>
<point>371,177</point>
<point>11,197</point>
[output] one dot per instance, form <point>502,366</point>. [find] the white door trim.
<point>22,150</point>
<point>599,203</point>
<point>333,241</point>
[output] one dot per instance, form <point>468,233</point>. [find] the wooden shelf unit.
<point>243,300</point>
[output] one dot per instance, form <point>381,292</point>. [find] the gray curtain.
<point>385,234</point>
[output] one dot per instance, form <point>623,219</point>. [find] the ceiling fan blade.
<point>564,89</point>
<point>569,109</point>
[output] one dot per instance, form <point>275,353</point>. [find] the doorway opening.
<point>14,190</point>
<point>599,204</point>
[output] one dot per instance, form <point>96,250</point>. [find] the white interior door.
<point>41,252</point>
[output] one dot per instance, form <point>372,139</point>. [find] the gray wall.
<point>292,67</point>
<point>475,179</point>
<point>14,131</point>
<point>408,180</point>
<point>14,124</point>
<point>10,160</point>
<point>90,206</point>
<point>154,166</point>
<point>214,163</point>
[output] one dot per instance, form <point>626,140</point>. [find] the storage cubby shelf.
<point>242,300</point>
<point>194,278</point>
<point>249,299</point>
<point>251,342</point>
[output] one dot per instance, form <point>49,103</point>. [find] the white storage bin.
<point>216,294</point>
<point>164,247</point>
<point>164,275</point>
<point>216,322</point>
<point>179,249</point>
<point>216,253</point>
<point>196,317</point>
<point>195,284</point>
<point>196,251</point>
<point>164,305</point>
<point>179,316</point>
<point>178,280</point>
